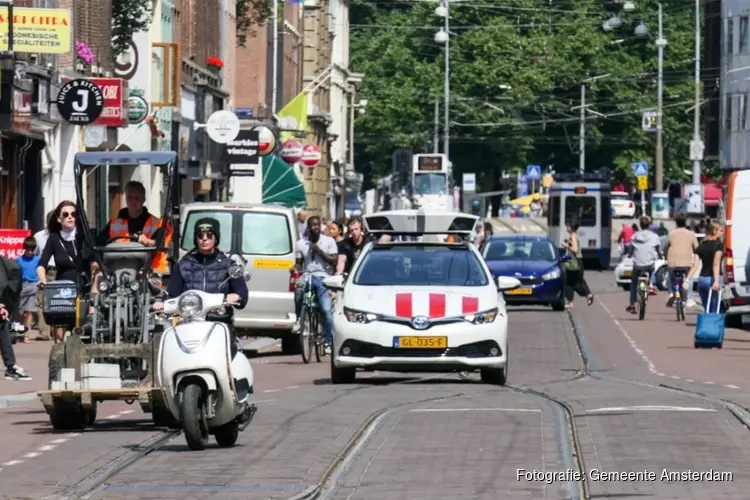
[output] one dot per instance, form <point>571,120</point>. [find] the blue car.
<point>533,260</point>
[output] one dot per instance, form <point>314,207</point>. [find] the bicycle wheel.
<point>641,307</point>
<point>305,332</point>
<point>680,308</point>
<point>319,347</point>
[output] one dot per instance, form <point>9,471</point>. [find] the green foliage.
<point>128,17</point>
<point>250,14</point>
<point>543,51</point>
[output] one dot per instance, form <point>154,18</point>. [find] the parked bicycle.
<point>311,324</point>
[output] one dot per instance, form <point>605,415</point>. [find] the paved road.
<point>587,393</point>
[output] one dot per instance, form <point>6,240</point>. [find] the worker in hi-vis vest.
<point>135,219</point>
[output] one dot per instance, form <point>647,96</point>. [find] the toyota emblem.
<point>420,322</point>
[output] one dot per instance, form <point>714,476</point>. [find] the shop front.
<point>214,185</point>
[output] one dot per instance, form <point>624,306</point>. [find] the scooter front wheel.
<point>191,414</point>
<point>227,434</point>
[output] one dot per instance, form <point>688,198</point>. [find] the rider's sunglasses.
<point>205,234</point>
<point>65,215</point>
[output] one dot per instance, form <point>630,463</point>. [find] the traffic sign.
<point>80,101</point>
<point>640,168</point>
<point>642,183</point>
<point>223,126</point>
<point>470,182</point>
<point>533,172</point>
<point>648,121</point>
<point>696,150</point>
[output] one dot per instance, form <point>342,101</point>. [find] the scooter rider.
<point>205,268</point>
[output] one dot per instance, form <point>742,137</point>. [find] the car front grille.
<point>367,350</point>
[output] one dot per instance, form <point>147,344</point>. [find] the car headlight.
<point>189,304</point>
<point>482,317</point>
<point>551,275</point>
<point>359,316</point>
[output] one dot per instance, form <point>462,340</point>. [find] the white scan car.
<point>420,306</point>
<point>622,205</point>
<point>624,270</point>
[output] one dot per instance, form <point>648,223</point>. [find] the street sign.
<point>642,183</point>
<point>223,126</point>
<point>243,150</point>
<point>311,155</point>
<point>470,182</point>
<point>648,122</point>
<point>80,101</point>
<point>640,168</point>
<point>533,172</point>
<point>696,150</point>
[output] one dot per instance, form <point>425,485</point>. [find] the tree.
<point>249,14</point>
<point>128,17</point>
<point>516,72</point>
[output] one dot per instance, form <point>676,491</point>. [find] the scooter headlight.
<point>189,304</point>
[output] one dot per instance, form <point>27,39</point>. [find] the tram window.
<point>582,208</point>
<point>553,214</point>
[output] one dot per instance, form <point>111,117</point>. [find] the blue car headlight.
<point>361,317</point>
<point>552,275</point>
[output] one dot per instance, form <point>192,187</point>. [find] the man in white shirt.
<point>317,255</point>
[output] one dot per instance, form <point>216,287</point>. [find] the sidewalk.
<point>667,346</point>
<point>32,357</point>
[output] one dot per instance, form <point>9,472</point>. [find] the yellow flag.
<point>293,116</point>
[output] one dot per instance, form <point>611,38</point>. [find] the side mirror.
<point>236,271</point>
<point>334,282</point>
<point>507,283</point>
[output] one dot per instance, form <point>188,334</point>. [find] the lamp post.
<point>443,37</point>
<point>641,31</point>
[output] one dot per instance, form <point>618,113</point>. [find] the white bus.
<point>589,204</point>
<point>432,182</point>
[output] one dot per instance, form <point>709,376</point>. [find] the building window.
<point>744,42</point>
<point>730,37</point>
<point>728,114</point>
<point>743,111</point>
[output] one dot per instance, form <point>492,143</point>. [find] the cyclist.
<point>317,255</point>
<point>680,251</point>
<point>646,250</point>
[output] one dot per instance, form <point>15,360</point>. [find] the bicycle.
<point>678,303</point>
<point>643,284</point>
<point>311,322</point>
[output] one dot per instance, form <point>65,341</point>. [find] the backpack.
<point>10,283</point>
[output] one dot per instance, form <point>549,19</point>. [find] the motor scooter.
<point>206,378</point>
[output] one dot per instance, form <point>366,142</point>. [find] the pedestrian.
<point>574,280</point>
<point>28,262</point>
<point>10,293</point>
<point>41,238</point>
<point>710,254</point>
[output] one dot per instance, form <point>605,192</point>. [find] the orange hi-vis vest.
<point>119,227</point>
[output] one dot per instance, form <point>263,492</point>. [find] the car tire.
<point>290,344</point>
<point>493,376</point>
<point>662,279</point>
<point>342,375</point>
<point>558,306</point>
<point>733,321</point>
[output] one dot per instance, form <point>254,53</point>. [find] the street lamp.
<point>443,37</point>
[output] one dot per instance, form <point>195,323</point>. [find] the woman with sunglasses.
<point>66,245</point>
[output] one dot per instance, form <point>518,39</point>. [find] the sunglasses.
<point>205,234</point>
<point>65,215</point>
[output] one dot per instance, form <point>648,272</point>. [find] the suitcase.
<point>709,328</point>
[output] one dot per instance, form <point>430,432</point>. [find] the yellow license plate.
<point>284,265</point>
<point>520,291</point>
<point>420,342</point>
<point>627,274</point>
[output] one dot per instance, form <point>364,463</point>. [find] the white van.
<point>265,236</point>
<point>736,293</point>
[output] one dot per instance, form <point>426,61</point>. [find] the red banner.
<point>114,92</point>
<point>11,242</point>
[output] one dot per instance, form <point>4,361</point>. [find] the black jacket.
<point>206,273</point>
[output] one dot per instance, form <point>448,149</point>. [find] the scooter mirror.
<point>236,271</point>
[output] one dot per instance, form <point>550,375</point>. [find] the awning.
<point>281,186</point>
<point>712,194</point>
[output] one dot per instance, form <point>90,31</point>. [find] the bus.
<point>432,182</point>
<point>589,203</point>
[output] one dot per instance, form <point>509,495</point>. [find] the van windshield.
<point>225,227</point>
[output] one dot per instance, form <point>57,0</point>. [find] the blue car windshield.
<point>520,250</point>
<point>420,265</point>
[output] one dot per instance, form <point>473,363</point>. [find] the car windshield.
<point>520,250</point>
<point>420,265</point>
<point>620,196</point>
